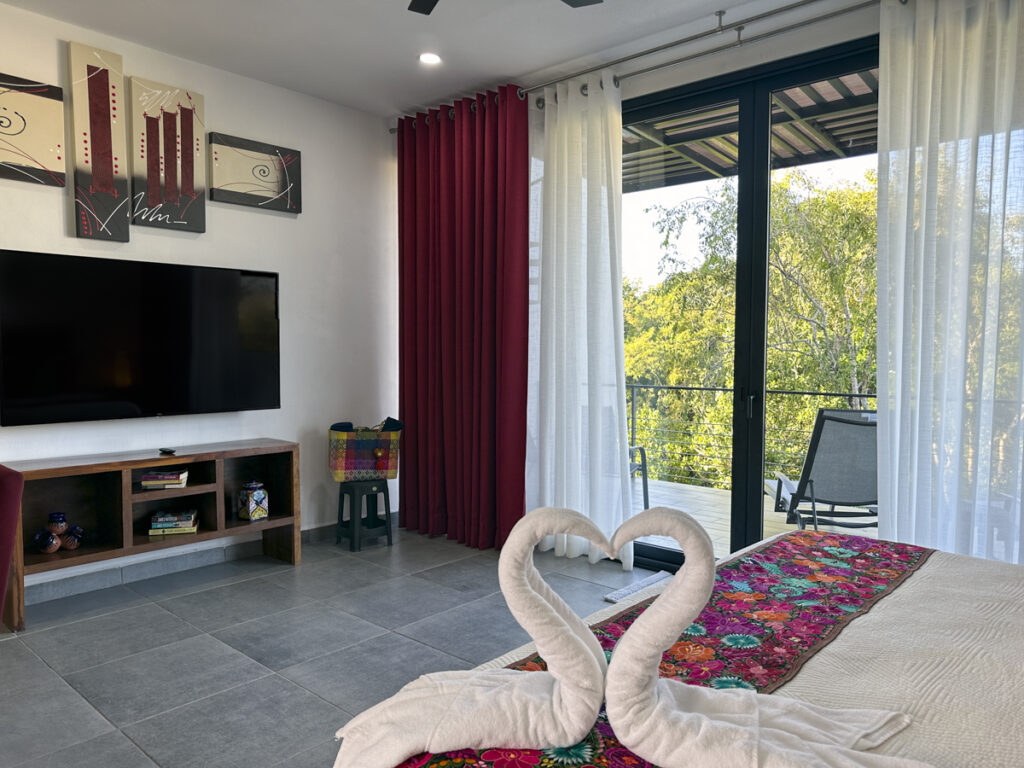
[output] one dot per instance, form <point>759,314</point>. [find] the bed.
<point>842,621</point>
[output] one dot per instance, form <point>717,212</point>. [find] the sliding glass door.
<point>715,211</point>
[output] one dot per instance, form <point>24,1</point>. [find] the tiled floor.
<point>255,662</point>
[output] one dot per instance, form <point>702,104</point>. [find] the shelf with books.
<point>143,494</point>
<point>104,495</point>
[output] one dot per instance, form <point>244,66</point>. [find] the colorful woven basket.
<point>363,454</point>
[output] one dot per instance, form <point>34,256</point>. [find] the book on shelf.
<point>164,479</point>
<point>174,524</point>
<point>169,531</point>
<point>187,516</point>
<point>150,486</point>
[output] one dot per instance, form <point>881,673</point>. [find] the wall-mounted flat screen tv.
<point>83,339</point>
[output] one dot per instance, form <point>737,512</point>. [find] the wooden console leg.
<point>14,604</point>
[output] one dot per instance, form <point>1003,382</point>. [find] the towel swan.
<point>673,724</point>
<point>466,709</point>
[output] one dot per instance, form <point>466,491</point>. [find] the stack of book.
<point>167,523</point>
<point>152,481</point>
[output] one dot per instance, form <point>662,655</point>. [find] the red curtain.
<point>463,208</point>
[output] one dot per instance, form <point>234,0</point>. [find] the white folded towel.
<point>675,725</point>
<point>498,708</point>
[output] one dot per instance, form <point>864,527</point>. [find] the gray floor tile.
<point>584,597</point>
<point>320,756</point>
<point>605,572</point>
<point>327,578</point>
<point>475,576</point>
<point>475,632</point>
<point>148,683</point>
<point>112,750</point>
<point>89,642</point>
<point>256,724</point>
<point>85,606</point>
<point>413,552</point>
<point>318,551</point>
<point>398,601</point>
<point>198,579</point>
<point>32,697</point>
<point>20,668</point>
<point>220,607</point>
<point>297,635</point>
<point>362,675</point>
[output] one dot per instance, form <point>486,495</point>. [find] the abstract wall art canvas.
<point>247,172</point>
<point>31,131</point>
<point>102,203</point>
<point>169,171</point>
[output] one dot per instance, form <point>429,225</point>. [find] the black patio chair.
<point>840,471</point>
<point>638,463</point>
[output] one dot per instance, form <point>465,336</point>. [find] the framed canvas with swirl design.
<point>31,131</point>
<point>247,172</point>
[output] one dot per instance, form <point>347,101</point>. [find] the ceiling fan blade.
<point>581,3</point>
<point>426,6</point>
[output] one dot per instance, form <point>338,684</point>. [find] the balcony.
<point>687,434</point>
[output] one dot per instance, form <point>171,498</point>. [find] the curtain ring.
<point>520,93</point>
<point>540,102</point>
<point>451,113</point>
<point>584,89</point>
<point>615,80</point>
<point>472,106</point>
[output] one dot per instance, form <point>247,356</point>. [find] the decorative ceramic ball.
<point>46,541</point>
<point>72,538</point>
<point>58,523</point>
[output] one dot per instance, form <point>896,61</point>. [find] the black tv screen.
<point>83,339</point>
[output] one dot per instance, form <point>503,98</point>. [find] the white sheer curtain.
<point>950,260</point>
<point>577,450</point>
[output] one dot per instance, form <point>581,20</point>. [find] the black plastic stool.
<point>357,526</point>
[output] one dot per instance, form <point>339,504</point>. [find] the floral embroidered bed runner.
<point>772,609</point>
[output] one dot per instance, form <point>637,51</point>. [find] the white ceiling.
<point>364,53</point>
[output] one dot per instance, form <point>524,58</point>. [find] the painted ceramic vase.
<point>72,538</point>
<point>46,541</point>
<point>58,523</point>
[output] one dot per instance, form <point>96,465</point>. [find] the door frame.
<point>752,88</point>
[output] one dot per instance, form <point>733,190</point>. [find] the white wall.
<point>831,31</point>
<point>337,259</point>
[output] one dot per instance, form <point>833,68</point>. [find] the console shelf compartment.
<point>104,495</point>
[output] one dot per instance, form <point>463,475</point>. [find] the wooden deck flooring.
<point>711,507</point>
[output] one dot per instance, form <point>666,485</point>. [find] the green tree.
<point>821,323</point>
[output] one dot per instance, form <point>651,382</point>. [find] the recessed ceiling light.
<point>430,58</point>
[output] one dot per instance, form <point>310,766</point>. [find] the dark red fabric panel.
<point>101,152</point>
<point>153,161</point>
<point>512,316</point>
<point>463,264</point>
<point>407,511</point>
<point>187,152</point>
<point>170,157</point>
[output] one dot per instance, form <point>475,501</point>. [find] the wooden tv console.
<point>104,495</point>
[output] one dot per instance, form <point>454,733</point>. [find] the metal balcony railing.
<point>687,431</point>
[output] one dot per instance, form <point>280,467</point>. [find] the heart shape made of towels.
<point>666,722</point>
<point>474,709</point>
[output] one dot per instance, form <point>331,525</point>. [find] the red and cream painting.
<point>98,100</point>
<point>168,164</point>
<point>31,131</point>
